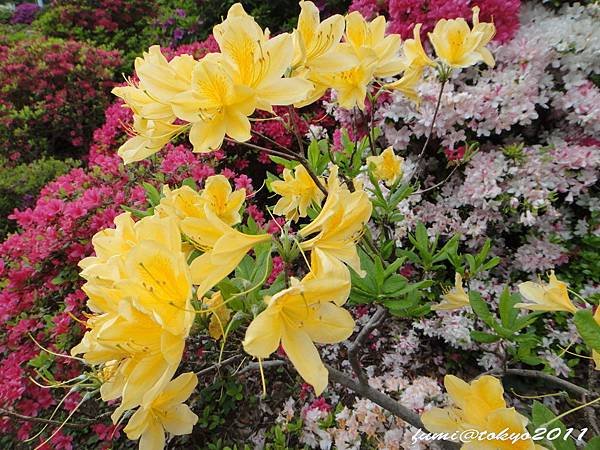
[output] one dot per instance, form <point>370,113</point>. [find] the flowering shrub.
<point>375,277</point>
<point>404,14</point>
<point>48,86</point>
<point>25,13</point>
<point>115,24</point>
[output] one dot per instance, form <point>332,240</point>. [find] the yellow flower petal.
<point>304,356</point>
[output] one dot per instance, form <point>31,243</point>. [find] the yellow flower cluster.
<point>298,192</point>
<point>456,298</point>
<point>480,406</point>
<point>552,296</point>
<point>387,166</point>
<point>455,44</point>
<point>140,288</point>
<point>309,310</point>
<point>214,97</point>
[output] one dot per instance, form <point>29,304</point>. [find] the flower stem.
<point>288,155</point>
<point>435,113</point>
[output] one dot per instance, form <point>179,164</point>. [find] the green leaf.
<point>314,154</point>
<point>491,263</point>
<point>379,273</point>
<point>393,267</point>
<point>190,182</point>
<point>526,320</point>
<point>481,309</point>
<point>283,162</point>
<point>588,328</point>
<point>508,312</point>
<point>593,444</point>
<point>138,213</point>
<point>541,415</point>
<point>152,193</point>
<point>485,338</point>
<point>394,284</point>
<point>421,236</point>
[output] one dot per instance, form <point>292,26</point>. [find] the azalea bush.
<point>48,87</point>
<point>311,247</point>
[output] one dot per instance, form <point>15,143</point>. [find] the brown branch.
<point>385,401</point>
<point>354,348</point>
<point>296,130</point>
<point>366,391</point>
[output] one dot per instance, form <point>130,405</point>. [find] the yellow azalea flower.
<point>147,356</point>
<point>112,246</point>
<point>139,286</point>
<point>387,166</point>
<point>407,84</point>
<point>298,191</point>
<point>552,296</point>
<point>339,225</point>
<point>298,317</point>
<point>479,405</point>
<point>180,203</point>
<point>489,31</point>
<point>217,195</point>
<point>328,280</point>
<point>159,283</point>
<point>143,105</point>
<point>455,299</point>
<point>413,54</point>
<point>459,46</point>
<point>163,79</point>
<point>150,136</point>
<point>112,241</point>
<point>220,315</point>
<point>351,85</point>
<point>317,49</point>
<point>360,33</point>
<point>223,246</point>
<point>259,62</point>
<point>215,105</point>
<point>166,412</point>
<point>471,403</point>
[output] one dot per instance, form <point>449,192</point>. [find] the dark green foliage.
<point>19,185</point>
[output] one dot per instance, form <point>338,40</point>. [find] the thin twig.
<point>354,348</point>
<point>435,113</point>
<point>301,159</point>
<point>437,185</point>
<point>292,116</point>
<point>264,149</point>
<point>573,388</point>
<point>265,364</point>
<point>217,366</point>
<point>272,141</point>
<point>14,415</point>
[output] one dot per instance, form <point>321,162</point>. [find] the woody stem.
<point>289,155</point>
